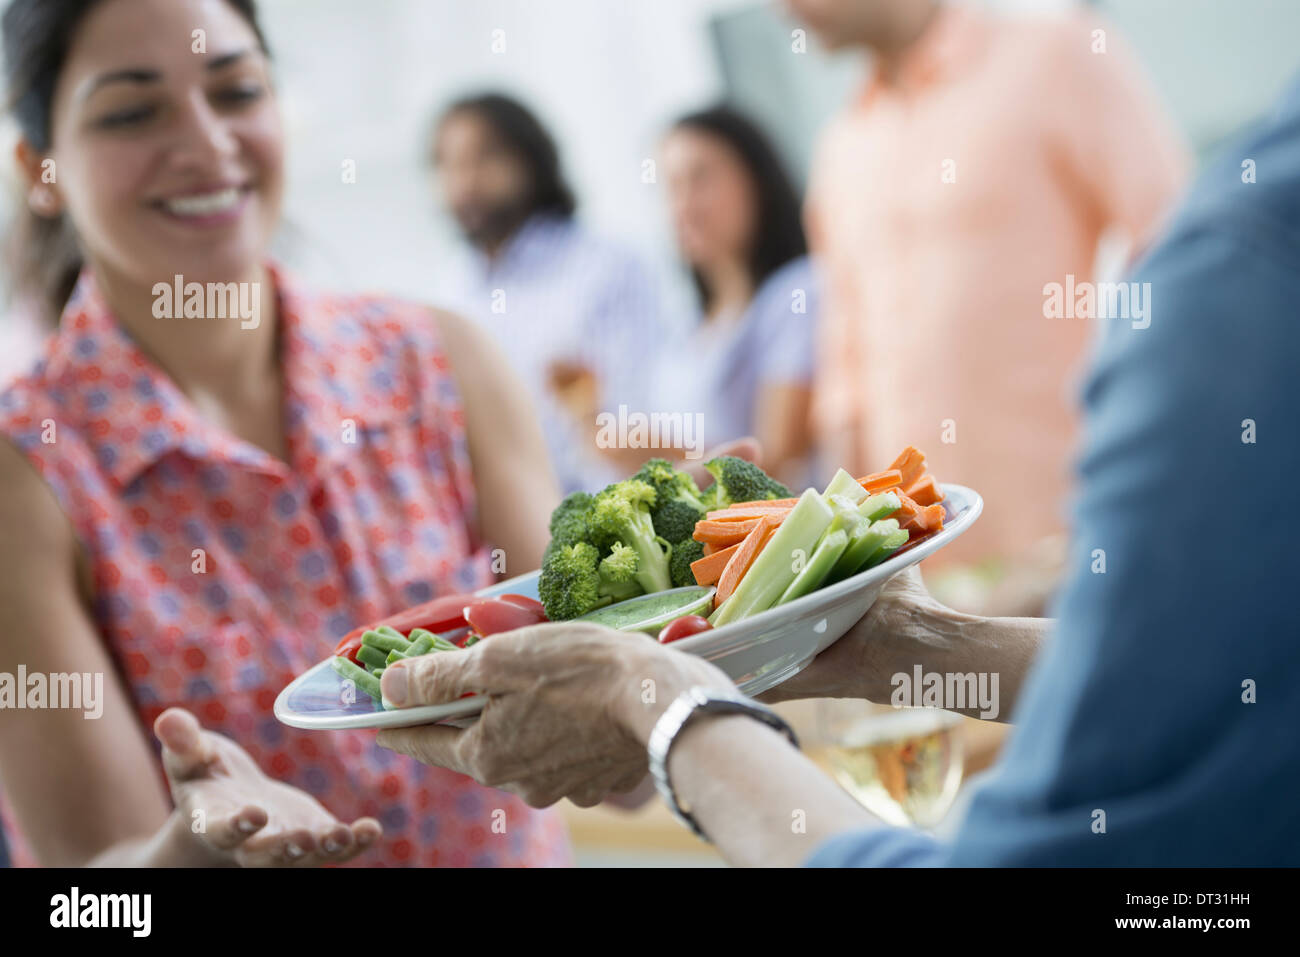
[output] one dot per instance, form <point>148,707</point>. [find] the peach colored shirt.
<point>934,326</point>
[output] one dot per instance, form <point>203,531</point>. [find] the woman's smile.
<point>216,205</point>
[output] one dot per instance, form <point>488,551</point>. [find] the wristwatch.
<point>678,715</point>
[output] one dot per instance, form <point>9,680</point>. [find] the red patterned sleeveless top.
<point>294,554</point>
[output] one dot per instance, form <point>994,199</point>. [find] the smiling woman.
<point>197,507</point>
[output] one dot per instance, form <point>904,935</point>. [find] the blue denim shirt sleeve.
<point>1158,726</point>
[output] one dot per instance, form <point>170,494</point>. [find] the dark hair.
<point>43,255</point>
<point>522,133</point>
<point>778,232</point>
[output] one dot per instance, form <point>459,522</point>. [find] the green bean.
<point>421,645</point>
<point>436,642</point>
<point>358,676</point>
<point>372,656</point>
<point>385,641</point>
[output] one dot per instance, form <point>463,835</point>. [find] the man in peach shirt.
<point>984,160</point>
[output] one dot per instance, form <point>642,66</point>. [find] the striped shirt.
<point>557,292</point>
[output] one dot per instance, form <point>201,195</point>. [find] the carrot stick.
<point>911,463</point>
<point>879,481</point>
<point>710,549</point>
<point>925,491</point>
<point>764,502</point>
<point>709,569</point>
<point>743,557</point>
<point>745,514</point>
<point>724,533</point>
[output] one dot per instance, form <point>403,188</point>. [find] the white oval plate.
<point>758,653</point>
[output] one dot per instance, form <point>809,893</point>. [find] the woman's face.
<point>167,142</point>
<point>711,195</point>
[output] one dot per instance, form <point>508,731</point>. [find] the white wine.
<point>903,765</point>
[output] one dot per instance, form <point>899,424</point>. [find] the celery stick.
<point>845,484</point>
<point>774,568</point>
<point>862,548</point>
<point>893,543</point>
<point>878,506</point>
<point>819,566</point>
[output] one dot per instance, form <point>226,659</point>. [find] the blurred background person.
<point>745,362</point>
<point>575,312</point>
<point>984,158</point>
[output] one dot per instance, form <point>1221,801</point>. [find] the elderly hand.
<point>569,712</point>
<point>896,633</point>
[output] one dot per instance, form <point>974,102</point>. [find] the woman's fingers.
<point>308,847</point>
<point>185,754</point>
<point>229,831</point>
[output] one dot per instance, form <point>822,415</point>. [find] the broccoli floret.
<point>576,580</point>
<point>621,514</point>
<point>678,505</point>
<point>737,480</point>
<point>619,565</point>
<point>679,565</point>
<point>570,520</point>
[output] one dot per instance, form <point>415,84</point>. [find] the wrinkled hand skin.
<point>567,713</point>
<point>905,627</point>
<point>249,820</point>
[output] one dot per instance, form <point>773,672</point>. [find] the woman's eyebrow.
<point>226,59</point>
<point>141,75</point>
<point>132,75</point>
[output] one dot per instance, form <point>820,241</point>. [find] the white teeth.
<point>203,204</point>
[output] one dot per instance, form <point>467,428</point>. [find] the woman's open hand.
<point>241,816</point>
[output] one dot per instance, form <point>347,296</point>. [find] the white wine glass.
<point>902,764</point>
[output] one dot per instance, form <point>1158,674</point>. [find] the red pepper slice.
<point>490,616</point>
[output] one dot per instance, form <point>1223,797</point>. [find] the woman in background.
<point>196,509</point>
<point>746,362</point>
<point>748,365</point>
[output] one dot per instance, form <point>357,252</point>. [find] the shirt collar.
<point>529,243</point>
<point>954,37</point>
<point>132,413</point>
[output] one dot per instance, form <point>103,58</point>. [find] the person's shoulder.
<point>1251,188</point>
<point>1069,32</point>
<point>375,320</point>
<point>604,252</point>
<point>29,399</point>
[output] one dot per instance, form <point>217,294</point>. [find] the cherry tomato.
<point>488,616</point>
<point>523,601</point>
<point>683,627</point>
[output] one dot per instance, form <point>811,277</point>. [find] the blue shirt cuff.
<point>880,847</point>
